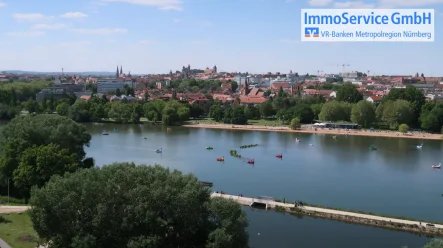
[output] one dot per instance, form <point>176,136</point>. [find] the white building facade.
<point>106,85</point>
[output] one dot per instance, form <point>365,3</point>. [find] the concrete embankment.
<point>365,219</point>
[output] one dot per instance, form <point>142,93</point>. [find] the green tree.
<point>411,94</point>
<point>30,131</point>
<point>349,93</point>
<point>8,112</point>
<point>267,109</point>
<point>363,113</point>
<point>13,97</point>
<point>304,113</point>
<point>97,111</point>
<point>431,118</point>
<point>234,86</point>
<point>295,123</point>
<point>332,111</point>
<point>39,163</point>
<point>195,110</point>
<point>403,128</point>
<point>170,116</point>
<point>31,106</point>
<point>434,243</point>
<point>79,111</point>
<point>123,205</point>
<point>44,104</point>
<point>62,109</point>
<point>120,112</point>
<point>252,113</point>
<point>216,112</point>
<point>235,115</point>
<point>51,104</point>
<point>396,112</point>
<point>316,109</point>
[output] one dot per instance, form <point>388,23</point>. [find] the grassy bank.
<point>18,231</point>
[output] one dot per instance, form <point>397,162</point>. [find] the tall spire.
<point>116,74</point>
<point>121,70</point>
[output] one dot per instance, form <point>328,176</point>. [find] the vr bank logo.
<point>312,32</point>
<point>393,25</point>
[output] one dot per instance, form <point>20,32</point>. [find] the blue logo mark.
<point>312,32</point>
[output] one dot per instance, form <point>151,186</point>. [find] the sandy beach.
<point>388,134</point>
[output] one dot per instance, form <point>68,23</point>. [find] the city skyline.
<point>156,36</point>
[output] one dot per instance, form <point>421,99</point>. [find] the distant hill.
<point>88,73</point>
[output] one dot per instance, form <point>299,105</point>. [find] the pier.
<point>374,220</point>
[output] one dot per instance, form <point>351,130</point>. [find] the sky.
<point>155,36</point>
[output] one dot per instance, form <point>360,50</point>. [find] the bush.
<point>295,123</point>
<point>403,128</point>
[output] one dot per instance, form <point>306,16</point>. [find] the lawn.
<point>18,233</point>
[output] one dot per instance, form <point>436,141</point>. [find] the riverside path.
<point>247,201</point>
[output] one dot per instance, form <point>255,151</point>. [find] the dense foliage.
<point>36,147</point>
<point>123,205</point>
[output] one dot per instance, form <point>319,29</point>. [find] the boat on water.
<point>221,159</point>
<point>105,133</point>
<point>373,148</point>
<point>420,146</point>
<point>297,140</point>
<point>209,148</point>
<point>145,137</point>
<point>279,155</point>
<point>311,144</point>
<point>250,161</point>
<point>159,150</point>
<point>436,166</point>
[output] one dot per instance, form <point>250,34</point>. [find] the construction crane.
<point>343,67</point>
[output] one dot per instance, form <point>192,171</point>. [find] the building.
<point>106,85</point>
<point>46,94</point>
<point>374,99</point>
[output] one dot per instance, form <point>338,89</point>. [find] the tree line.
<point>74,204</point>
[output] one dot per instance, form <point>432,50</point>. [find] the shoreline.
<point>386,134</point>
<point>411,226</point>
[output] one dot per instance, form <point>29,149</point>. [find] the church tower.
<point>117,74</point>
<point>121,70</point>
<point>214,70</point>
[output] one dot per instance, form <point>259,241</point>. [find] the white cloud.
<point>161,4</point>
<point>73,15</point>
<point>100,31</point>
<point>2,4</point>
<point>49,26</point>
<point>30,17</point>
<point>26,33</point>
<point>148,42</point>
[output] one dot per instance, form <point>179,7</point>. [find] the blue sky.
<point>154,36</point>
